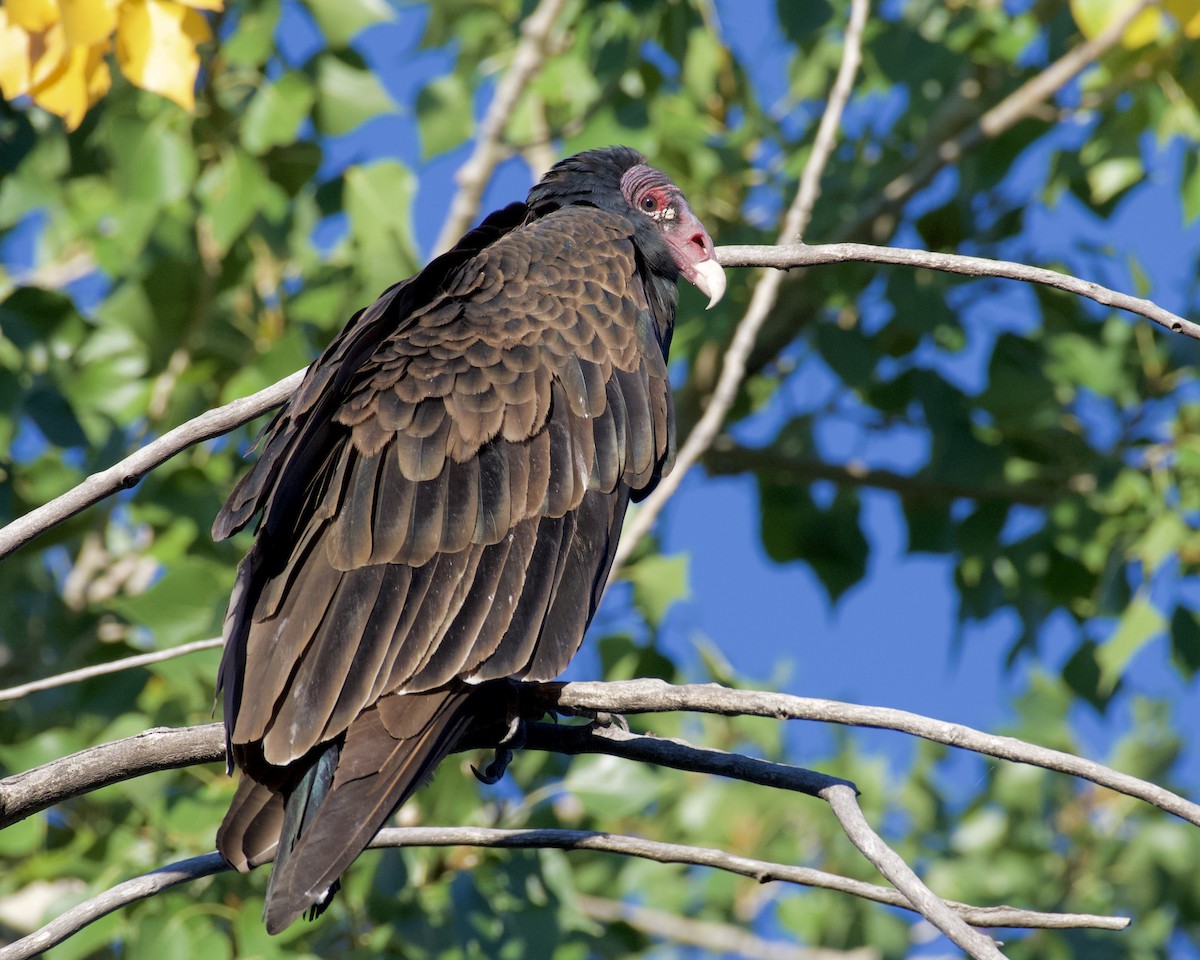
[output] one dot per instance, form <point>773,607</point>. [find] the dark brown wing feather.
<point>440,503</point>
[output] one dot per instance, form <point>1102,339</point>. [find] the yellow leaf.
<point>14,58</point>
<point>88,21</point>
<point>1094,16</point>
<point>48,55</point>
<point>1187,12</point>
<point>213,5</point>
<point>156,47</point>
<point>34,15</point>
<point>81,79</point>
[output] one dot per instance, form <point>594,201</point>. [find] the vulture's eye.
<point>649,203</point>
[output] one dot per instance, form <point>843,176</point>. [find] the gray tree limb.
<point>195,868</point>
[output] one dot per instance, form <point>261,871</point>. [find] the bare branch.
<point>489,149</point>
<point>844,803</point>
<point>233,415</point>
<point>113,666</point>
<point>129,471</point>
<point>678,754</point>
<point>723,938</point>
<point>141,888</point>
<point>655,696</point>
<point>1021,103</point>
<point>801,255</point>
<point>123,894</point>
<point>163,748</point>
<point>876,219</point>
<point>766,292</point>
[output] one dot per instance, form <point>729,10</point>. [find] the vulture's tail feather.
<point>350,791</point>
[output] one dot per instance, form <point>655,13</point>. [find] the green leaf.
<point>800,20</point>
<point>658,582</point>
<point>275,113</point>
<point>342,20</point>
<point>379,203</point>
<point>1185,641</point>
<point>609,787</point>
<point>1113,176</point>
<point>184,605</point>
<point>253,42</point>
<point>347,96</point>
<point>48,408</point>
<point>231,192</point>
<point>153,163</point>
<point>444,114</point>
<point>1138,625</point>
<point>829,540</point>
<point>1190,188</point>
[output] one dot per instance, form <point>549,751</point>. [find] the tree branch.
<point>163,748</point>
<point>787,256</point>
<point>723,938</point>
<point>220,420</point>
<point>1021,103</point>
<point>129,471</point>
<point>656,696</point>
<point>195,868</point>
<point>489,150</point>
<point>844,803</point>
<point>113,666</point>
<point>762,301</point>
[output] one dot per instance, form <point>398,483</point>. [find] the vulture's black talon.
<point>494,771</point>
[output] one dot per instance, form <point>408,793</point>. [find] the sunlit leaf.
<point>156,47</point>
<point>276,112</point>
<point>342,20</point>
<point>1187,12</point>
<point>1140,623</point>
<point>1094,16</point>
<point>444,114</point>
<point>79,82</point>
<point>658,583</point>
<point>87,21</point>
<point>347,96</point>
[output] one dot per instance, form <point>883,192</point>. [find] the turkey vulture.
<point>438,506</point>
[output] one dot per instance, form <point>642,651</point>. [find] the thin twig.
<point>131,891</point>
<point>766,291</point>
<point>113,666</point>
<point>129,471</point>
<point>489,150</point>
<point>141,888</point>
<point>232,415</point>
<point>844,803</point>
<point>164,748</point>
<point>677,754</point>
<point>801,255</point>
<point>726,939</point>
<point>655,696</point>
<point>1021,103</point>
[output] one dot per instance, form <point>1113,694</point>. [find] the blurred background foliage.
<point>158,262</point>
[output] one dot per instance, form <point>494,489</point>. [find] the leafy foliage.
<point>162,261</point>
